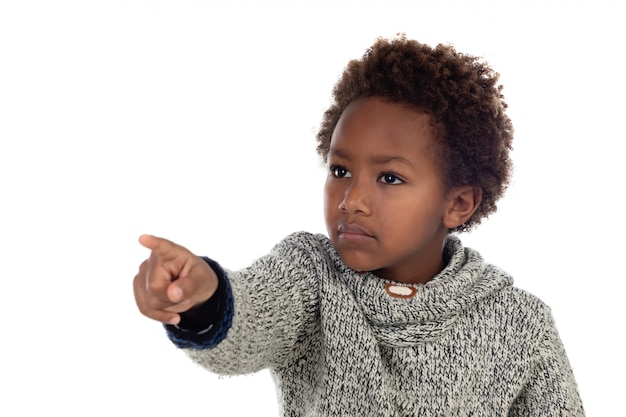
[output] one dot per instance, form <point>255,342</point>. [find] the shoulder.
<point>521,300</point>
<point>504,302</point>
<point>521,312</point>
<point>298,253</point>
<point>316,247</point>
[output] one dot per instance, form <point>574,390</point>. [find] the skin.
<point>386,207</point>
<point>385,204</point>
<point>172,280</point>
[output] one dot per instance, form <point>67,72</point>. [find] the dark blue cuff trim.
<point>218,312</point>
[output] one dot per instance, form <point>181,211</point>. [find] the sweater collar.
<point>436,305</point>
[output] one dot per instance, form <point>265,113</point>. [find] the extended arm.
<point>274,307</point>
<point>234,322</point>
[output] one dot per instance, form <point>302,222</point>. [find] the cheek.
<point>406,215</point>
<point>332,193</point>
<point>330,204</point>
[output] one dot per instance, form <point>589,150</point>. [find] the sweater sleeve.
<point>275,305</point>
<point>206,325</point>
<point>551,389</point>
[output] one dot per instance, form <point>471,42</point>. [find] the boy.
<point>390,315</point>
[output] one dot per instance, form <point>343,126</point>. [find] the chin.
<point>357,264</point>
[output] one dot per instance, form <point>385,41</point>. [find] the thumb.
<point>193,287</point>
<point>180,289</point>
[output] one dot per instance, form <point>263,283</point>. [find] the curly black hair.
<point>460,93</point>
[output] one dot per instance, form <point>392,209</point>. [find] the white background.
<point>195,120</point>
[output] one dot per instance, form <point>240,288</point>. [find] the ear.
<point>462,203</point>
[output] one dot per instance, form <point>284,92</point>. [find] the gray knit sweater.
<point>466,344</point>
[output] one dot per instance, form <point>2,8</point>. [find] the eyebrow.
<point>378,159</point>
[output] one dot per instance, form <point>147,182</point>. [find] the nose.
<point>356,199</point>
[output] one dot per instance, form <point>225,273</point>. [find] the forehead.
<point>375,125</point>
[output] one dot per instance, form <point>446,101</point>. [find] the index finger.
<point>158,245</point>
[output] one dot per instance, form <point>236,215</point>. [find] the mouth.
<point>353,231</point>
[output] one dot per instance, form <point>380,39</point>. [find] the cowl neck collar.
<point>435,305</point>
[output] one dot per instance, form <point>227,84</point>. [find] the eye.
<point>390,179</point>
<point>340,172</point>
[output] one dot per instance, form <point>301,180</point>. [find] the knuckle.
<point>187,285</point>
<point>154,303</point>
<point>153,286</point>
<point>143,309</point>
<point>144,267</point>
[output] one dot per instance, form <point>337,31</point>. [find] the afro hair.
<point>460,93</point>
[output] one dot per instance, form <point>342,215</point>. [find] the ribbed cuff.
<point>205,326</point>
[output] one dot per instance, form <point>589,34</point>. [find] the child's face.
<point>384,196</point>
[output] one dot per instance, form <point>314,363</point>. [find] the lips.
<point>353,231</point>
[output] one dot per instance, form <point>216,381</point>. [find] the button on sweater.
<point>343,343</point>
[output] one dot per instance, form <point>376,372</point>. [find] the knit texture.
<point>467,344</point>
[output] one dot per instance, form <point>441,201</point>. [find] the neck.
<point>420,268</point>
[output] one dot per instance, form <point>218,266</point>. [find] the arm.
<point>275,305</point>
<point>257,315</point>
<point>551,389</point>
